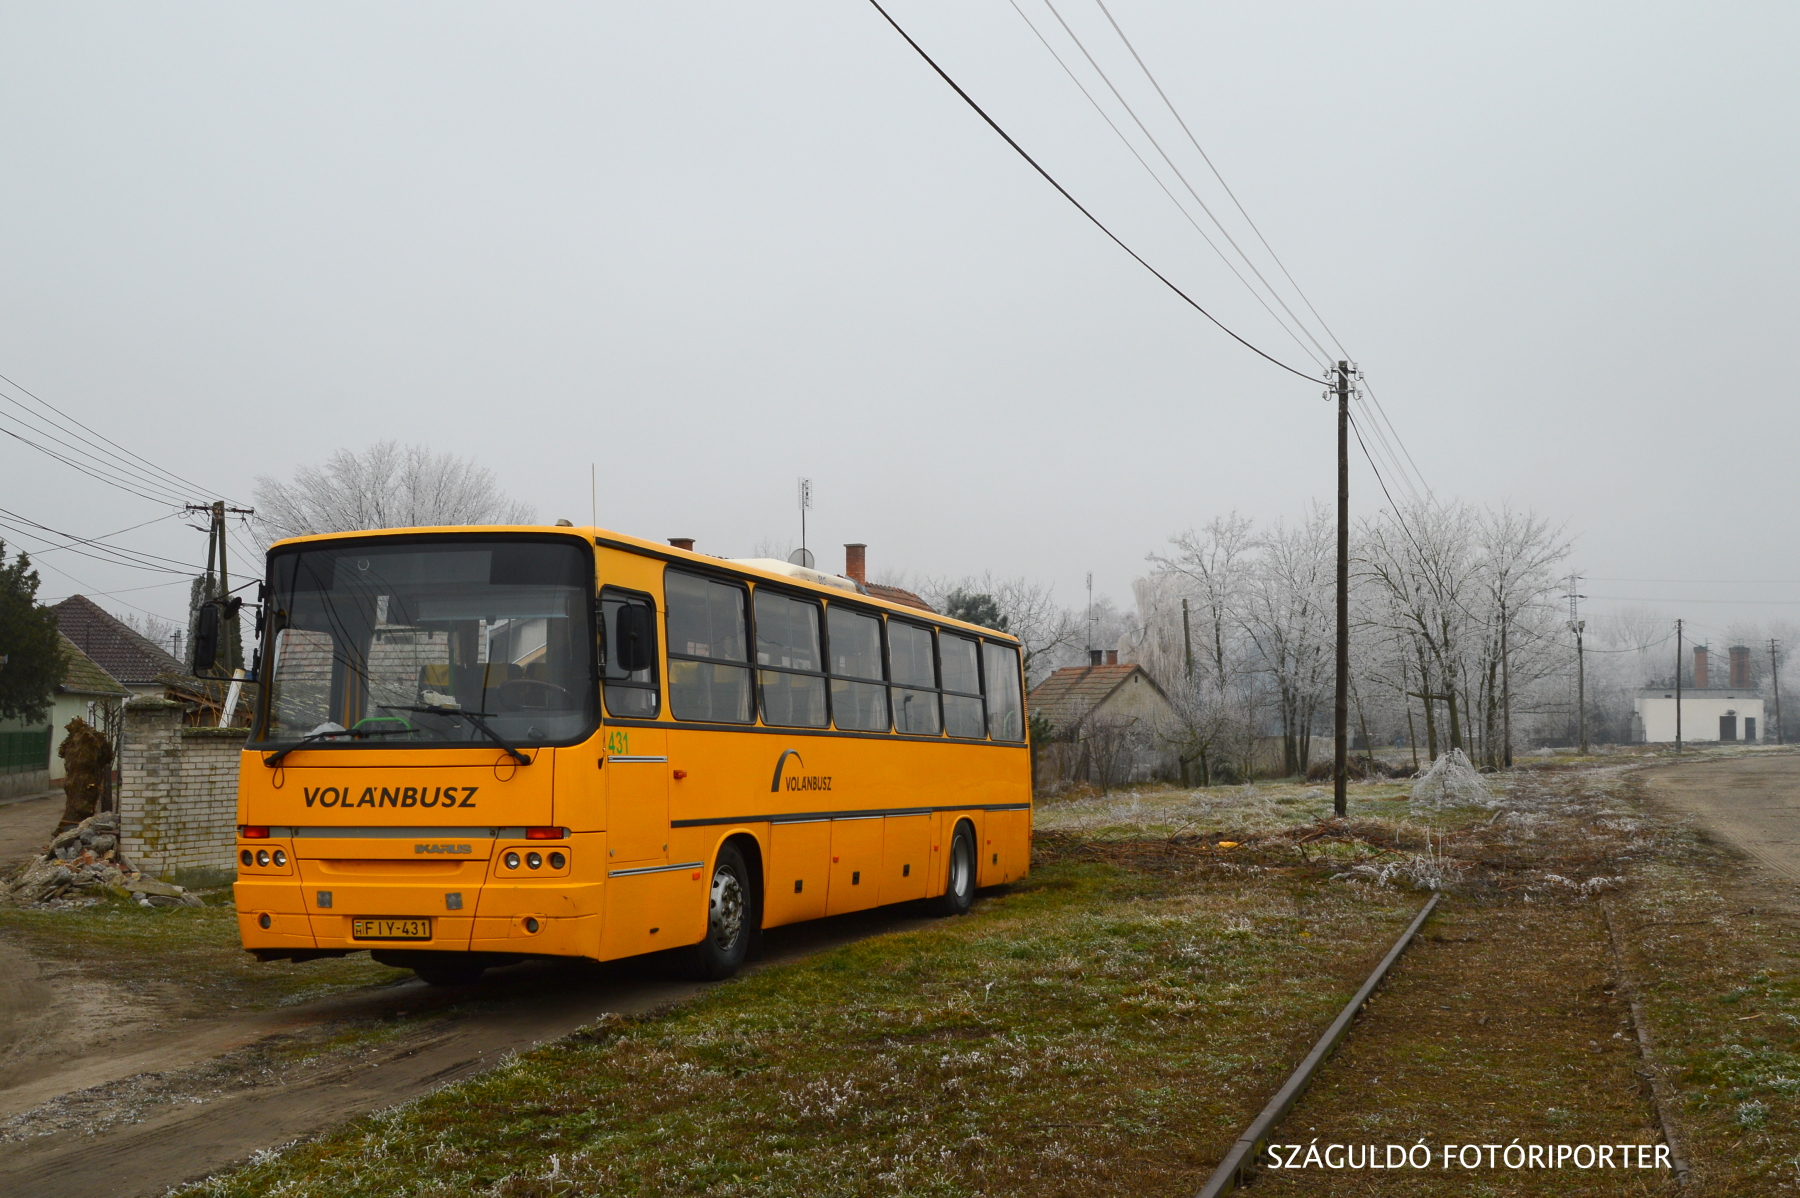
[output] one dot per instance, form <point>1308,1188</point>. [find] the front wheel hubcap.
<point>727,917</point>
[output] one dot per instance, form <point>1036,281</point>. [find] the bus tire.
<point>453,972</point>
<point>730,911</point>
<point>959,882</point>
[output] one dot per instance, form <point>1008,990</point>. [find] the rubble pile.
<point>86,860</point>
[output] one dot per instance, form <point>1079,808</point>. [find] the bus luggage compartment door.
<point>855,864</point>
<point>637,797</point>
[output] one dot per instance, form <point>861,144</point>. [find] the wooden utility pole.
<point>1678,686</point>
<point>1340,725</point>
<point>1187,638</point>
<point>1505,692</point>
<point>1775,675</point>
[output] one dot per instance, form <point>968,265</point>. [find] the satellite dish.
<point>801,557</point>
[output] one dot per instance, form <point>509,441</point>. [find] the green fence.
<point>24,751</point>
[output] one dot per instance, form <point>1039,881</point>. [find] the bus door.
<point>637,796</point>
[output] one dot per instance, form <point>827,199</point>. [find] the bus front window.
<point>408,640</point>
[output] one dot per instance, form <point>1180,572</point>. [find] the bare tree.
<point>386,486</point>
<point>1027,609</point>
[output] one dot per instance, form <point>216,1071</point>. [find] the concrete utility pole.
<point>216,512</point>
<point>1678,686</point>
<point>1775,675</point>
<point>1577,625</point>
<point>1340,718</point>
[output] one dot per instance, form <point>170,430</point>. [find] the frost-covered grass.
<point>1256,807</point>
<point>1096,1029</point>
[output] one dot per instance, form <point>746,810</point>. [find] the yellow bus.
<point>477,744</point>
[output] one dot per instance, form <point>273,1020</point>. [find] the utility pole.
<point>1577,625</point>
<point>1678,686</point>
<point>805,505</point>
<point>216,512</point>
<point>1340,718</point>
<point>1090,615</point>
<point>1505,692</point>
<point>1187,641</point>
<point>1775,674</point>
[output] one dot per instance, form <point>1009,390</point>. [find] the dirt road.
<point>173,1105</point>
<point>1751,803</point>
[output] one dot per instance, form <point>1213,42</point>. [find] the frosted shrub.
<point>1450,780</point>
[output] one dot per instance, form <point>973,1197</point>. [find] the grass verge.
<point>1102,1027</point>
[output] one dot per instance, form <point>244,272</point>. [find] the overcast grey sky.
<point>713,247</point>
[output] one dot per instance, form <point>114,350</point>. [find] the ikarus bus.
<point>477,744</point>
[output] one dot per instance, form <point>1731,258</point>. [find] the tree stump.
<point>87,760</point>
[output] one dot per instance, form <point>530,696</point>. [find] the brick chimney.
<point>686,543</point>
<point>1112,657</point>
<point>1740,667</point>
<point>1700,679</point>
<point>1094,657</point>
<point>856,562</point>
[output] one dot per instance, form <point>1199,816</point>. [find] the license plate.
<point>390,929</point>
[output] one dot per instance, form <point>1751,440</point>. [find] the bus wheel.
<point>959,887</point>
<point>728,915</point>
<point>450,973</point>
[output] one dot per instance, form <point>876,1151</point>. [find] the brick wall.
<point>177,790</point>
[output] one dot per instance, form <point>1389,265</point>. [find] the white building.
<point>1713,714</point>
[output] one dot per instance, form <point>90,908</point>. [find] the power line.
<point>1050,179</point>
<point>134,558</point>
<point>1323,352</point>
<point>1321,355</point>
<point>181,483</point>
<point>1151,171</point>
<point>1195,142</point>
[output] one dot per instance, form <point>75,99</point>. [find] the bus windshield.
<point>429,640</point>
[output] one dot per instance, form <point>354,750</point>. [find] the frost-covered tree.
<point>385,486</point>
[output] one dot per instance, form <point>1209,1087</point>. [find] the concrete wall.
<point>177,790</point>
<point>1700,712</point>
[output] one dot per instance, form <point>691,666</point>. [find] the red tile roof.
<point>1067,696</point>
<point>898,595</point>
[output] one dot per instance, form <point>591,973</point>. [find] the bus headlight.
<point>557,860</point>
<point>534,860</point>
<point>280,857</point>
<point>512,860</point>
<point>262,856</point>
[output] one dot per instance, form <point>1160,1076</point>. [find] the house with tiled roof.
<point>133,660</point>
<point>142,666</point>
<point>1106,721</point>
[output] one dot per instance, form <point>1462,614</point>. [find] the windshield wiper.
<point>274,759</point>
<point>478,718</point>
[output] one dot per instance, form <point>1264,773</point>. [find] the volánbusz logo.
<point>390,796</point>
<point>797,781</point>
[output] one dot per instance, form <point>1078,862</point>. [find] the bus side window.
<point>959,667</point>
<point>790,677</point>
<point>859,701</point>
<point>709,665</point>
<point>915,682</point>
<point>1005,706</point>
<point>630,694</point>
